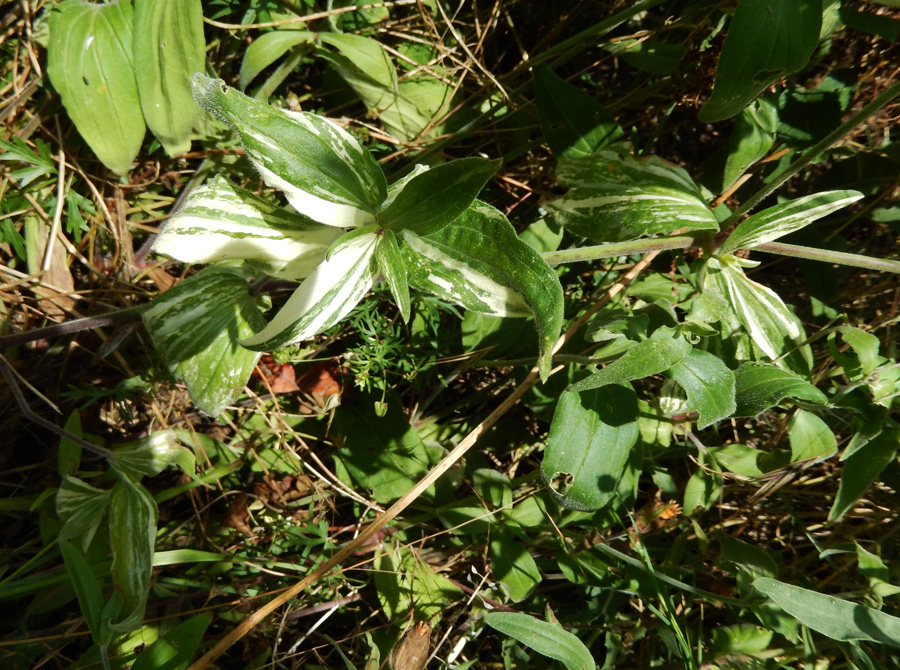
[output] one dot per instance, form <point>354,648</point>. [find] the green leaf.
<point>132,535</point>
<point>434,198</point>
<point>324,171</point>
<point>760,386</point>
<point>169,48</point>
<point>785,218</point>
<point>220,221</point>
<point>81,507</point>
<point>391,264</point>
<point>589,443</point>
<point>175,650</point>
<point>87,587</point>
<point>702,491</point>
<point>865,346</point>
<point>709,385</point>
<point>90,65</point>
<point>751,139</point>
<point>196,325</point>
<point>367,56</point>
<point>268,48</point>
<point>41,162</point>
<point>738,458</point>
<point>765,42</point>
<point>863,467</point>
<point>661,351</point>
<point>833,617</point>
<point>574,124</point>
<point>614,197</point>
<point>548,639</point>
<point>324,298</point>
<point>810,437</point>
<point>478,262</point>
<point>512,565</point>
<point>382,453</point>
<point>406,584</point>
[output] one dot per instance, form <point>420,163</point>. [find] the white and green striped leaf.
<point>81,507</point>
<point>773,328</point>
<point>478,262</point>
<point>132,535</point>
<point>323,170</point>
<point>392,266</point>
<point>196,325</point>
<point>784,218</point>
<point>433,198</point>
<point>220,221</point>
<point>614,197</point>
<point>324,298</point>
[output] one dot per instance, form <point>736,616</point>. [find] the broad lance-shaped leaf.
<point>548,639</point>
<point>431,199</point>
<point>614,197</point>
<point>656,354</point>
<point>709,386</point>
<point>196,325</point>
<point>833,617</point>
<point>478,262</point>
<point>323,170</point>
<point>392,266</point>
<point>220,221</point>
<point>169,48</point>
<point>785,218</point>
<point>862,468</point>
<point>132,534</point>
<point>590,439</point>
<point>759,386</point>
<point>90,64</point>
<point>268,48</point>
<point>324,298</point>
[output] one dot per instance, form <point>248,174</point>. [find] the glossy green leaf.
<point>738,458</point>
<point>324,171</point>
<point>434,198</point>
<point>661,351</point>
<point>81,507</point>
<point>219,221</point>
<point>153,454</point>
<point>512,565</point>
<point>613,197</point>
<point>575,125</point>
<point>760,386</point>
<point>176,649</point>
<point>810,437</point>
<point>493,487</point>
<point>765,42</point>
<point>785,218</point>
<point>324,298</point>
<point>478,262</point>
<point>86,585</point>
<point>367,56</point>
<point>589,443</point>
<point>268,48</point>
<point>709,386</point>
<point>195,326</point>
<point>548,639</point>
<point>833,617</point>
<point>702,491</point>
<point>743,639</point>
<point>132,535</point>
<point>169,47</point>
<point>863,467</point>
<point>392,266</point>
<point>90,65</point>
<point>865,346</point>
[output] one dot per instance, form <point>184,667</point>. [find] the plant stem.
<point>889,94</point>
<point>826,256</point>
<point>619,249</point>
<point>74,326</point>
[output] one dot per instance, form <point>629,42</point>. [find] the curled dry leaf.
<point>413,648</point>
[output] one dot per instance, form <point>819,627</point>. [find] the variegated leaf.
<point>324,298</point>
<point>614,197</point>
<point>784,218</point>
<point>220,221</point>
<point>392,266</point>
<point>774,329</point>
<point>478,262</point>
<point>196,326</point>
<point>323,170</point>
